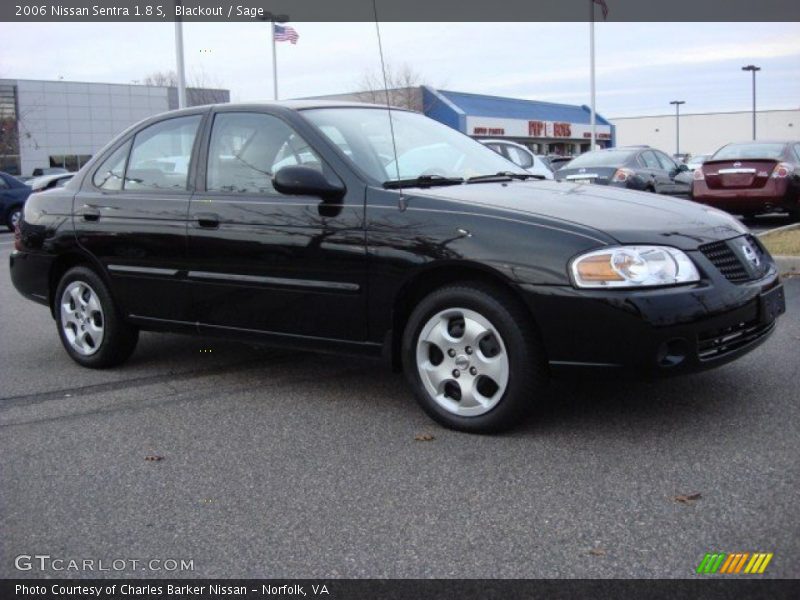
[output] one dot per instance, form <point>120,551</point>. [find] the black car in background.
<point>288,224</point>
<point>635,168</point>
<point>13,194</point>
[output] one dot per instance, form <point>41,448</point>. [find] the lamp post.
<point>753,69</point>
<point>677,104</point>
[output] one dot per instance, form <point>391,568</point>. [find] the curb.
<point>787,265</point>
<point>778,229</point>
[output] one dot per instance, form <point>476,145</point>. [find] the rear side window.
<point>650,161</point>
<point>246,149</point>
<point>111,172</point>
<point>3,184</point>
<point>161,154</point>
<point>520,157</point>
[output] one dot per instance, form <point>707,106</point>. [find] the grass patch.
<point>783,243</point>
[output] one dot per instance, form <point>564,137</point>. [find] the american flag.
<point>284,33</point>
<point>603,6</point>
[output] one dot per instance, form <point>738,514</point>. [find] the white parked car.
<point>521,156</point>
<point>696,161</point>
<point>46,182</point>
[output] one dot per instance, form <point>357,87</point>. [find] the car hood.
<point>628,216</point>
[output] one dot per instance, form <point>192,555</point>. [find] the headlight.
<point>633,266</point>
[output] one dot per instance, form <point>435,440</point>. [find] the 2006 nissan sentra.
<point>357,229</point>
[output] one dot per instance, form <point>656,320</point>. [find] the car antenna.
<point>402,200</point>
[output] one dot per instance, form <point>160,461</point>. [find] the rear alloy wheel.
<point>89,325</point>
<point>473,359</point>
<point>14,215</point>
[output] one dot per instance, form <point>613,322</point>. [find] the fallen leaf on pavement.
<point>597,552</point>
<point>153,458</point>
<point>687,498</point>
<point>424,437</point>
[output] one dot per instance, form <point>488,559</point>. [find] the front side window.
<point>666,162</point>
<point>112,170</point>
<point>247,149</point>
<point>420,146</point>
<point>161,155</point>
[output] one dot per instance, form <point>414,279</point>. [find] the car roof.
<point>300,104</point>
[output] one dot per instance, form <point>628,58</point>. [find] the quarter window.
<point>111,172</point>
<point>161,154</point>
<point>247,149</point>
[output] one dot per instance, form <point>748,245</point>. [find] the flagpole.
<point>181,83</point>
<point>591,54</point>
<point>274,64</point>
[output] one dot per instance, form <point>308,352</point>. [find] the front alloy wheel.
<point>473,357</point>
<point>462,362</point>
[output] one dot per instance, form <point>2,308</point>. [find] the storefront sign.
<point>520,128</point>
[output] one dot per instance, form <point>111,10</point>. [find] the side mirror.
<point>683,167</point>
<point>298,180</point>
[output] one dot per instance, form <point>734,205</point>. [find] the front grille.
<point>734,260</point>
<point>719,342</point>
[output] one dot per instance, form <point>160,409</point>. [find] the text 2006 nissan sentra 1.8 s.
<point>355,228</point>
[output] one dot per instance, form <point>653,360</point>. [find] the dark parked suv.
<point>320,226</point>
<point>634,168</point>
<point>13,194</point>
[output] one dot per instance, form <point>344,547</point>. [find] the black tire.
<point>119,338</point>
<point>527,370</point>
<point>10,219</point>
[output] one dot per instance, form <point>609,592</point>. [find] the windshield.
<point>424,147</point>
<point>738,151</point>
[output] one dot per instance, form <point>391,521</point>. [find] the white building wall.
<point>705,133</point>
<point>60,117</point>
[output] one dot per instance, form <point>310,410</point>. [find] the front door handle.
<point>89,213</point>
<point>207,220</point>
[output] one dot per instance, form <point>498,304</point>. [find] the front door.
<point>266,262</point>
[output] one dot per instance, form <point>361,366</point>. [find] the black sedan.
<point>289,224</point>
<point>13,194</point>
<point>634,168</point>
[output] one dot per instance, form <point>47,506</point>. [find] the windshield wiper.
<point>500,176</point>
<point>422,181</point>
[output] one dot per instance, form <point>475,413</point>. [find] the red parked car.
<point>751,178</point>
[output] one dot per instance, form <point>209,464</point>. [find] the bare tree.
<point>401,85</point>
<point>199,90</point>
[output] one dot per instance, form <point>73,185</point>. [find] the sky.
<point>641,67</point>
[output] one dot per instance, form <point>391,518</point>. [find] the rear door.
<point>654,174</point>
<point>131,216</point>
<point>264,262</point>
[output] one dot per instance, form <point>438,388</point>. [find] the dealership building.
<point>62,123</point>
<point>705,133</point>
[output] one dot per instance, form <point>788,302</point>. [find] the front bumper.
<point>651,332</point>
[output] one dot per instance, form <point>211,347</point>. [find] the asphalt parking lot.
<point>283,464</point>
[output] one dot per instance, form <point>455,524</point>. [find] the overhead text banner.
<point>397,10</point>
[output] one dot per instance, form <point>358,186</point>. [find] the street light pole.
<point>677,104</point>
<point>753,69</point>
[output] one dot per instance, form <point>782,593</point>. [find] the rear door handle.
<point>207,220</point>
<point>89,213</point>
